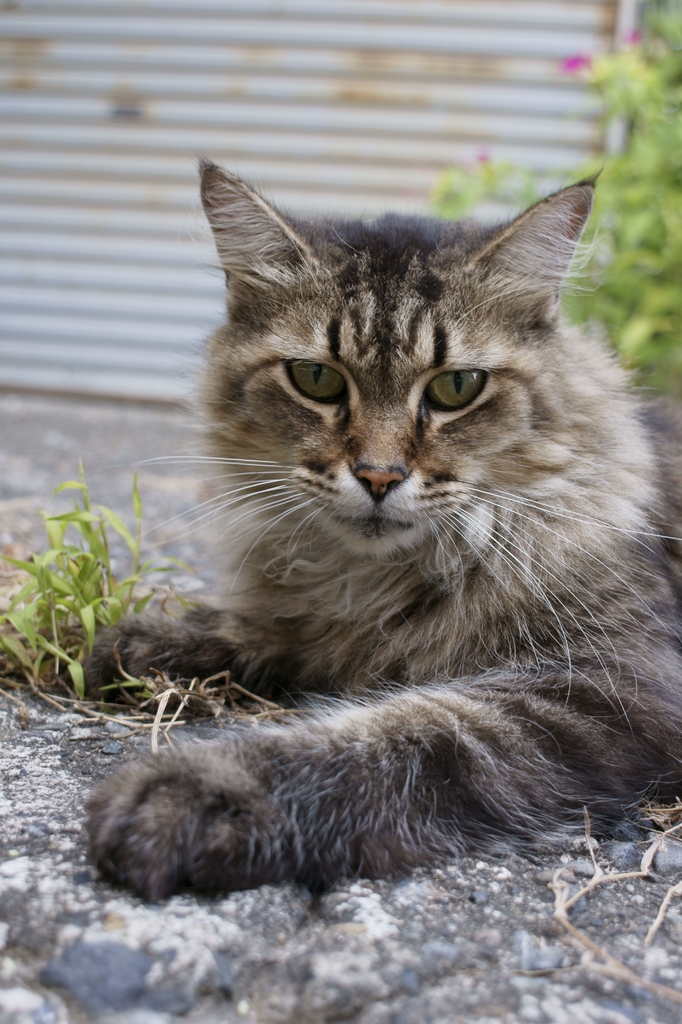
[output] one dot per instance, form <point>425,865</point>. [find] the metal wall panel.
<point>107,276</point>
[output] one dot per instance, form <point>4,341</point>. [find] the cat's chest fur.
<point>333,620</point>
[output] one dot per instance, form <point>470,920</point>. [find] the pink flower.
<point>632,38</point>
<point>483,156</point>
<point>572,65</point>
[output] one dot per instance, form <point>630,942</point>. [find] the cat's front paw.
<point>194,817</point>
<point>186,647</point>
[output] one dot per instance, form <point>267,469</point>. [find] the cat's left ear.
<point>528,259</point>
<point>256,244</point>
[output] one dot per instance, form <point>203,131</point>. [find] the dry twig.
<point>594,956</point>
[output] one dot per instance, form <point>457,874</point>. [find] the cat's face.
<point>393,368</point>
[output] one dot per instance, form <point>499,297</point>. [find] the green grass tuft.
<point>70,590</point>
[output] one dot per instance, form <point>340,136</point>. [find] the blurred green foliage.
<point>70,590</point>
<point>630,281</point>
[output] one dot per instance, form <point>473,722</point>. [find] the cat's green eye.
<point>316,380</point>
<point>455,388</point>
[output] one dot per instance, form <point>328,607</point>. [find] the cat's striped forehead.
<point>388,305</point>
<point>372,333</point>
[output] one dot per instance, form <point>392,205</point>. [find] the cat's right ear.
<point>527,260</point>
<point>256,245</point>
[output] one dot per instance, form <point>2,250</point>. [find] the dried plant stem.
<point>252,696</point>
<point>607,964</point>
<point>15,699</point>
<point>163,700</point>
<point>674,890</point>
<point>611,967</point>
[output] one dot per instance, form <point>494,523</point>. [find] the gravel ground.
<point>472,941</point>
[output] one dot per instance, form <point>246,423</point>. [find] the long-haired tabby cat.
<point>448,513</point>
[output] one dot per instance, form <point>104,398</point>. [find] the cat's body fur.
<point>503,619</point>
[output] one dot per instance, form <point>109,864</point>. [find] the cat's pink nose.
<point>379,480</point>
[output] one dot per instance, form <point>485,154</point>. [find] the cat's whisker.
<point>526,631</point>
<point>293,539</point>
<point>217,498</point>
<point>252,513</point>
<point>221,460</point>
<point>258,539</point>
<point>586,636</point>
<point>564,513</point>
<point>215,514</point>
<point>567,539</point>
<point>512,535</point>
<point>506,554</point>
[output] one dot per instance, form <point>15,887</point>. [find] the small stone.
<point>478,896</point>
<point>410,981</point>
<point>545,877</point>
<point>45,1014</point>
<point>582,868</point>
<point>84,733</point>
<point>242,1007</point>
<point>224,974</point>
<point>19,1000</point>
<point>175,1001</point>
<point>114,921</point>
<point>117,729</point>
<point>113,747</point>
<point>625,856</point>
<point>516,864</point>
<point>440,953</point>
<point>668,859</point>
<point>100,975</point>
<point>81,877</point>
<point>37,829</point>
<point>534,957</point>
<point>4,932</point>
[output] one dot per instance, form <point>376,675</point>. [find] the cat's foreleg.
<point>193,645</point>
<point>371,788</point>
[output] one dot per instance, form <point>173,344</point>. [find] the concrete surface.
<point>471,941</point>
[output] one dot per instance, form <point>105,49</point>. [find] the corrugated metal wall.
<point>330,105</point>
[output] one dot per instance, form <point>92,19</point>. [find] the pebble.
<point>112,747</point>
<point>478,896</point>
<point>224,975</point>
<point>117,729</point>
<point>410,981</point>
<point>439,952</point>
<point>534,957</point>
<point>4,933</point>
<point>668,859</point>
<point>84,733</point>
<point>625,856</point>
<point>19,1000</point>
<point>100,975</point>
<point>582,868</point>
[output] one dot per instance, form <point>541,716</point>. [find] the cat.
<point>447,514</point>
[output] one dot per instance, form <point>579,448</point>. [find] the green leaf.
<point>69,485</point>
<point>79,516</point>
<point>137,500</point>
<point>119,526</point>
<point>13,646</point>
<point>78,677</point>
<point>87,617</point>
<point>24,622</point>
<point>140,605</point>
<point>55,532</point>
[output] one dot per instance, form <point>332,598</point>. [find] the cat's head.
<point>396,365</point>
